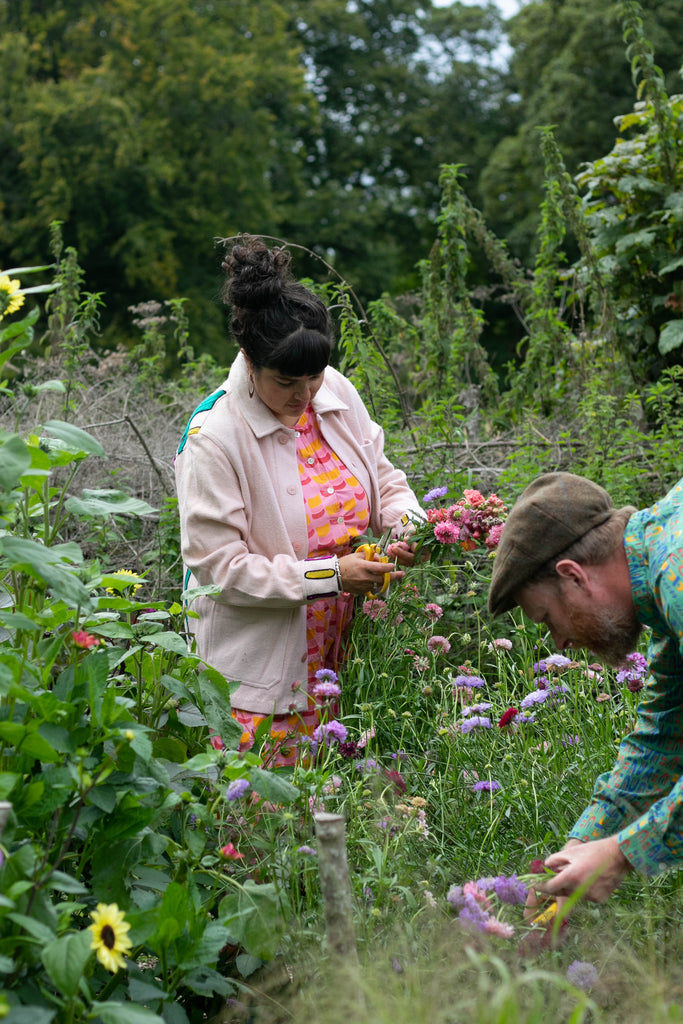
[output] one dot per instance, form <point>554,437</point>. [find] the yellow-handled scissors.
<point>377,552</point>
<point>546,915</point>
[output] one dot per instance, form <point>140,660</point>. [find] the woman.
<point>278,471</point>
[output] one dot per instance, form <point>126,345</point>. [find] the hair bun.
<point>257,274</point>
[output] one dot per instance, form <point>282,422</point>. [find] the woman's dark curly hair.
<point>279,323</point>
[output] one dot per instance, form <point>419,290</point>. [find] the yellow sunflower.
<point>110,936</point>
<point>133,587</point>
<point>10,298</point>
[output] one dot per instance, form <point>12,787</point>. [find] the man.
<point>596,575</point>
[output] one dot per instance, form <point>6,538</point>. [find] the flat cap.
<point>552,513</point>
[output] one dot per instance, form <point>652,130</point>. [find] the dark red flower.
<point>537,867</point>
<point>397,779</point>
<point>507,717</point>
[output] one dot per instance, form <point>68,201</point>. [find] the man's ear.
<point>573,572</point>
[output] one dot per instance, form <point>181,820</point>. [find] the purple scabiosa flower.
<point>539,667</point>
<point>483,706</point>
<point>434,494</point>
<point>237,789</point>
<point>485,786</point>
<point>477,721</point>
<point>326,689</point>
<point>306,851</point>
<point>474,915</point>
<point>633,672</point>
<point>455,897</point>
<point>438,645</point>
<point>526,719</point>
<point>367,766</point>
<point>510,889</point>
<point>326,675</point>
<point>329,732</point>
<point>558,660</point>
<point>473,681</point>
<point>582,974</point>
<point>535,697</point>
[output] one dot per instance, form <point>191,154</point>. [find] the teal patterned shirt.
<point>641,799</point>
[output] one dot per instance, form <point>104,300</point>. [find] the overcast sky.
<point>507,7</point>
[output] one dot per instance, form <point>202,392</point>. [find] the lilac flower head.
<point>582,974</point>
<point>367,766</point>
<point>485,786</point>
<point>483,706</point>
<point>526,719</point>
<point>535,697</point>
<point>474,681</point>
<point>455,897</point>
<point>474,915</point>
<point>539,667</point>
<point>326,675</point>
<point>237,788</point>
<point>476,721</point>
<point>434,494</point>
<point>307,851</point>
<point>633,673</point>
<point>510,890</point>
<point>328,732</point>
<point>558,660</point>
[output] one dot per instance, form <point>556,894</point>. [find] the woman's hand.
<point>600,860</point>
<point>402,552</point>
<point>365,576</point>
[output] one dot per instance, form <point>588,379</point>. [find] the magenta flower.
<point>433,612</point>
<point>329,732</point>
<point>326,689</point>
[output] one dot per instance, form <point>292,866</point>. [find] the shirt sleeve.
<point>215,538</point>
<point>641,799</point>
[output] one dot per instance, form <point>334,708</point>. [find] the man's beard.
<point>608,633</point>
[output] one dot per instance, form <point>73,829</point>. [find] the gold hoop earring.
<point>251,386</point>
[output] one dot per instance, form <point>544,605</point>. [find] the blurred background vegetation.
<point>150,127</point>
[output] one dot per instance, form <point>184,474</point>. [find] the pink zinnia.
<point>495,533</point>
<point>230,853</point>
<point>438,645</point>
<point>85,640</point>
<point>446,533</point>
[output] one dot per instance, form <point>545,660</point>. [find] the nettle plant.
<point>121,873</point>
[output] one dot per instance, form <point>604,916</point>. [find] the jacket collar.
<point>258,416</point>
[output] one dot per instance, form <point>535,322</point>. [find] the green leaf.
<point>36,929</point>
<point>168,641</point>
<point>45,565</point>
<point>15,459</point>
<point>30,1015</point>
<point>65,959</point>
<point>254,918</point>
<point>670,336</point>
<point>8,781</point>
<point>125,1013</point>
<point>172,914</point>
<point>667,268</point>
<point>273,787</point>
<point>107,503</point>
<point>77,441</point>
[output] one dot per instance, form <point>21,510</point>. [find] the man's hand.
<point>600,860</point>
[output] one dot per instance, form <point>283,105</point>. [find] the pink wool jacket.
<point>243,529</point>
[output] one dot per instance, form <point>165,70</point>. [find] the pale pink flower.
<point>438,645</point>
<point>421,664</point>
<point>376,609</point>
<point>495,927</point>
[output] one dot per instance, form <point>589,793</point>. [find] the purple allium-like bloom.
<point>582,974</point>
<point>436,492</point>
<point>326,689</point>
<point>485,786</point>
<point>237,788</point>
<point>326,675</point>
<point>307,851</point>
<point>330,731</point>
<point>477,721</point>
<point>535,697</point>
<point>510,889</point>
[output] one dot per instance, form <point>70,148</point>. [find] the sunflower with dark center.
<point>110,936</point>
